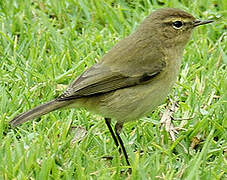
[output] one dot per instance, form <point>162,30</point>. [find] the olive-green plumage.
<point>134,77</point>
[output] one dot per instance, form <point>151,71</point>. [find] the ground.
<point>45,44</point>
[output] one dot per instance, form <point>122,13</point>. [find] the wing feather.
<point>102,79</point>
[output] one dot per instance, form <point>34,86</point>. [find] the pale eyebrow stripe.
<point>169,21</point>
<point>174,18</point>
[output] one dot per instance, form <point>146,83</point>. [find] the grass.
<point>45,44</point>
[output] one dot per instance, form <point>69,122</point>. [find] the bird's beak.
<point>200,22</point>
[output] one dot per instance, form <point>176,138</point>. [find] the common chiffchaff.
<point>134,77</point>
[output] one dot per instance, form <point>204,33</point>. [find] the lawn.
<point>44,45</point>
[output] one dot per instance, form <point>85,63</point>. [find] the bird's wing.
<point>102,79</point>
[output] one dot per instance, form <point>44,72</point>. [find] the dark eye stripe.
<point>171,23</point>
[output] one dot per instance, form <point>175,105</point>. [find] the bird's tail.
<point>38,111</point>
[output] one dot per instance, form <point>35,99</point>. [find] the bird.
<point>132,78</point>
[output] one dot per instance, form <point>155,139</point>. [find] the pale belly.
<point>132,103</point>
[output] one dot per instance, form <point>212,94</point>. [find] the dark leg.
<point>118,128</point>
<point>108,121</point>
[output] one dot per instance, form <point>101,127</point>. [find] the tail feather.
<point>38,111</point>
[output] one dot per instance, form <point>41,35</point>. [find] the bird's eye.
<point>177,24</point>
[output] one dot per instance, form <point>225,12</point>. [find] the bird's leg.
<point>118,139</point>
<point>118,128</point>
<point>108,123</point>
